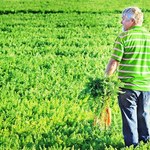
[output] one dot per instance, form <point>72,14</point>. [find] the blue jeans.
<point>135,111</point>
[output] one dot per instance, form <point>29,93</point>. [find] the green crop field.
<point>53,53</point>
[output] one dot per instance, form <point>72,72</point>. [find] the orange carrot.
<point>107,118</point>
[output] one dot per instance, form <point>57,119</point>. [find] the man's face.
<point>127,23</point>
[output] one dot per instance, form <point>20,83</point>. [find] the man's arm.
<point>111,67</point>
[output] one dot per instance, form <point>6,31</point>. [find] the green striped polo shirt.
<point>132,51</point>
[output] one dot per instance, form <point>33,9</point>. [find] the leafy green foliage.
<point>104,87</point>
<point>48,52</point>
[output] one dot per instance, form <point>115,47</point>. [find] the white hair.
<point>134,13</point>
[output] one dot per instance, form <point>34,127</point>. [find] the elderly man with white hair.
<point>131,55</point>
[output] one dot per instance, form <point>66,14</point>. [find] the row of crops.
<point>52,56</point>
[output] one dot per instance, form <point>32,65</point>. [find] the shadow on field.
<point>25,11</point>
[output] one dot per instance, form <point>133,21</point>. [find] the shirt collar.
<point>135,27</point>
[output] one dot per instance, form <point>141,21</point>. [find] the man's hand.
<point>111,67</point>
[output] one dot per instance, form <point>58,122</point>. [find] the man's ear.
<point>133,21</point>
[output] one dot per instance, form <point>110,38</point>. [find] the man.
<point>132,55</point>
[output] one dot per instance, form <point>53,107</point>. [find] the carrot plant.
<point>102,94</point>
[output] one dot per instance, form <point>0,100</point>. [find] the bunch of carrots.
<point>104,118</point>
<point>103,90</point>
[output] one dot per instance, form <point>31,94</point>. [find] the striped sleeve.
<point>118,49</point>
